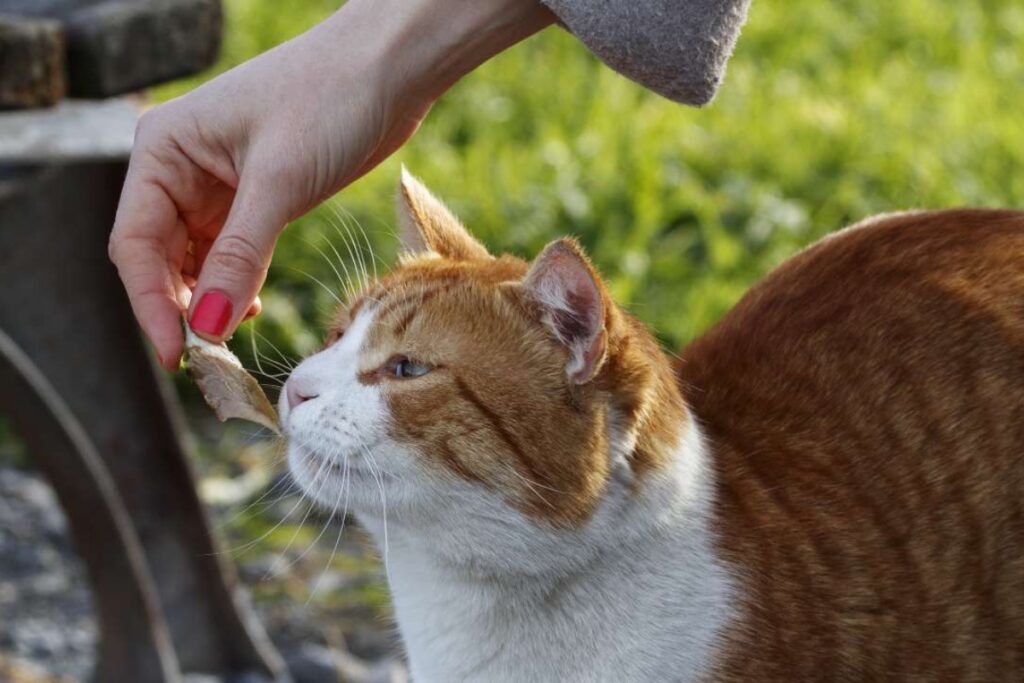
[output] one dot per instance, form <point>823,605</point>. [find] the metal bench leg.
<point>134,642</point>
<point>62,303</point>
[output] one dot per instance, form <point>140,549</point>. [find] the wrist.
<point>420,48</point>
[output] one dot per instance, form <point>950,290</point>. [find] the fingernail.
<point>212,314</point>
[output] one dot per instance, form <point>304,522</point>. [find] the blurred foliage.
<point>830,112</point>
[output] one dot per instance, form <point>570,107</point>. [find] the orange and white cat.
<point>828,486</point>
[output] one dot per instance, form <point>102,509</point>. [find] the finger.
<point>140,246</point>
<point>255,309</point>
<point>236,265</point>
<point>202,248</point>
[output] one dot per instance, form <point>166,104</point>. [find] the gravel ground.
<point>47,631</point>
<point>45,602</point>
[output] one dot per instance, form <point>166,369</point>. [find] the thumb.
<point>237,263</point>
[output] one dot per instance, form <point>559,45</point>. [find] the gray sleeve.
<point>677,48</point>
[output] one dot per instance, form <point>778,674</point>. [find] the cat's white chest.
<point>641,625</point>
<point>655,612</point>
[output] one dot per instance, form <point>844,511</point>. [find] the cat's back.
<point>865,407</point>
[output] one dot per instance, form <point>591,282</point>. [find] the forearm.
<point>422,47</point>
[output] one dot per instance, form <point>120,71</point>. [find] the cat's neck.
<point>599,615</point>
<point>648,420</point>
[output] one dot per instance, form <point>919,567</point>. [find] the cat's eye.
<point>404,368</point>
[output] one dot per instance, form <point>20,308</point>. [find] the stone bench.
<point>101,48</point>
<point>76,378</point>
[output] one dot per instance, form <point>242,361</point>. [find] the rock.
<point>248,677</point>
<point>18,671</point>
<point>31,62</point>
<point>44,8</point>
<point>318,664</point>
<point>71,132</point>
<point>101,48</point>
<point>372,642</point>
<point>244,677</point>
<point>201,678</point>
<point>116,47</point>
<point>46,614</point>
<point>47,618</point>
<point>313,664</point>
<point>269,565</point>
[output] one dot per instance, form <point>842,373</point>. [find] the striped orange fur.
<point>531,434</point>
<point>865,403</point>
<point>857,420</point>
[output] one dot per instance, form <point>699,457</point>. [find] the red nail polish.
<point>212,314</point>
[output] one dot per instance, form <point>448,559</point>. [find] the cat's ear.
<point>574,305</point>
<point>428,225</point>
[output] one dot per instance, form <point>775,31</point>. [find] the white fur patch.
<point>483,593</point>
<point>332,438</point>
<point>635,595</point>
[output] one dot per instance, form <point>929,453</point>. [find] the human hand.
<point>217,174</point>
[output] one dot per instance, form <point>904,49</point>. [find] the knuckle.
<point>157,123</point>
<point>114,248</point>
<point>236,254</point>
<point>149,122</point>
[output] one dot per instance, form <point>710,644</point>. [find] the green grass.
<point>830,112</point>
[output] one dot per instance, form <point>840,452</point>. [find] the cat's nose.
<point>297,394</point>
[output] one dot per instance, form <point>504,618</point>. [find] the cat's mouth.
<point>356,466</point>
<point>354,471</point>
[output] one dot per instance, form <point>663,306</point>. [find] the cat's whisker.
<point>351,256</point>
<point>348,274</point>
<point>270,375</point>
<point>274,379</point>
<point>532,485</point>
<point>358,247</point>
<point>277,489</point>
<point>342,282</point>
<point>535,483</point>
<point>318,481</point>
<point>355,243</point>
<point>364,274</point>
<point>349,246</point>
<point>236,550</point>
<point>282,482</point>
<point>255,348</point>
<point>371,463</point>
<point>290,363</point>
<point>276,383</point>
<point>317,281</point>
<point>280,367</point>
<point>346,484</point>
<point>366,239</point>
<point>327,524</point>
<point>386,230</point>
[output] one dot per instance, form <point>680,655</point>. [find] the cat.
<point>828,485</point>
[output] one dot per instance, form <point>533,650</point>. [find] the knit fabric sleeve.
<point>677,48</point>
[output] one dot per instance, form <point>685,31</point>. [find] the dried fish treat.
<point>227,387</point>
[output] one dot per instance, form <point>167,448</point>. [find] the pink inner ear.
<point>562,282</point>
<point>580,319</point>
